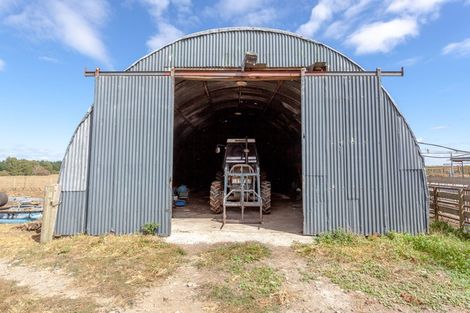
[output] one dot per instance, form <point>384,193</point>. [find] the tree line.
<point>15,167</point>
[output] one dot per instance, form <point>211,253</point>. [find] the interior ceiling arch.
<point>200,104</point>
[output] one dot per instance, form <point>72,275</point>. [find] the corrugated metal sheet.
<point>226,47</point>
<point>73,180</point>
<point>131,154</point>
<point>361,168</point>
<point>74,171</point>
<point>71,215</point>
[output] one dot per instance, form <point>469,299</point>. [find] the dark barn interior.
<point>208,112</point>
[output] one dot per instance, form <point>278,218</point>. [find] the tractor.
<point>242,184</point>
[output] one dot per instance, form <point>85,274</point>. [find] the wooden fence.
<point>450,203</point>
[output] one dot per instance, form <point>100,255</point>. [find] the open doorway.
<point>208,112</point>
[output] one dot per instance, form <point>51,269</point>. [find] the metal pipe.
<point>231,74</point>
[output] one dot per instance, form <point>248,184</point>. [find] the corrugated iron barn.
<point>331,127</point>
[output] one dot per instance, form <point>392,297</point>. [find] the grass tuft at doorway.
<point>424,271</point>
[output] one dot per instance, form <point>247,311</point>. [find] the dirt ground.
<point>181,292</point>
<point>194,224</point>
<point>196,230</point>
<point>184,290</point>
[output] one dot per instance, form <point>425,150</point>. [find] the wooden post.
<point>461,209</point>
<point>49,215</point>
<point>434,203</point>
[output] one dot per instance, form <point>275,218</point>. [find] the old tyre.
<point>216,197</point>
<point>3,198</point>
<point>266,196</point>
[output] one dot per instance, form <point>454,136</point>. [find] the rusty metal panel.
<point>362,169</point>
<point>131,155</point>
<point>73,179</point>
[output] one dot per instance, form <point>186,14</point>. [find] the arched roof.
<point>225,48</point>
<point>276,48</point>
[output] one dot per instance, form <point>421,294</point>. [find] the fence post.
<point>49,214</point>
<point>461,208</point>
<point>434,203</point>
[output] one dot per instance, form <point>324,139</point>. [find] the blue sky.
<point>46,44</point>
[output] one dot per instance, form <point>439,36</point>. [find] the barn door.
<point>344,172</point>
<point>131,154</point>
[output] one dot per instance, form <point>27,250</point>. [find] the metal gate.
<point>130,179</point>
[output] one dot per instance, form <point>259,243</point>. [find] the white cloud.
<point>383,36</point>
<point>416,7</point>
<point>166,31</point>
<point>461,48</point>
<point>321,13</point>
<point>183,6</point>
<point>2,65</point>
<point>370,26</point>
<point>48,59</point>
<point>157,7</point>
<point>243,12</point>
<point>7,5</point>
<point>74,23</point>
<point>233,8</point>
<point>258,18</point>
<point>439,127</point>
<point>409,61</point>
<point>166,34</point>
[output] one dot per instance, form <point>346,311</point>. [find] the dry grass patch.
<point>426,271</point>
<point>15,299</point>
<point>243,284</point>
<point>30,186</point>
<point>113,266</point>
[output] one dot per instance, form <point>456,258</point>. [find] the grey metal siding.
<point>361,164</point>
<point>131,154</point>
<point>73,180</point>
<point>361,168</point>
<point>225,48</point>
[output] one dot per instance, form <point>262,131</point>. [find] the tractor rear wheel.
<point>216,197</point>
<point>266,196</point>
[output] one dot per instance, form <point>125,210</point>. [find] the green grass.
<point>430,271</point>
<point>233,256</point>
<point>244,284</point>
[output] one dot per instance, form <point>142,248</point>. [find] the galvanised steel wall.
<point>362,170</point>
<point>73,180</point>
<point>131,154</point>
<point>222,48</point>
<point>122,191</point>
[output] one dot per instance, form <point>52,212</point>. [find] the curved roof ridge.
<point>244,28</point>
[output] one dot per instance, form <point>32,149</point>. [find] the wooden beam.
<point>51,204</point>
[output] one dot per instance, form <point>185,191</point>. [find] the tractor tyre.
<point>266,196</point>
<point>216,197</point>
<point>219,176</point>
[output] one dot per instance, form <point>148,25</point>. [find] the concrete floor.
<point>195,223</point>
